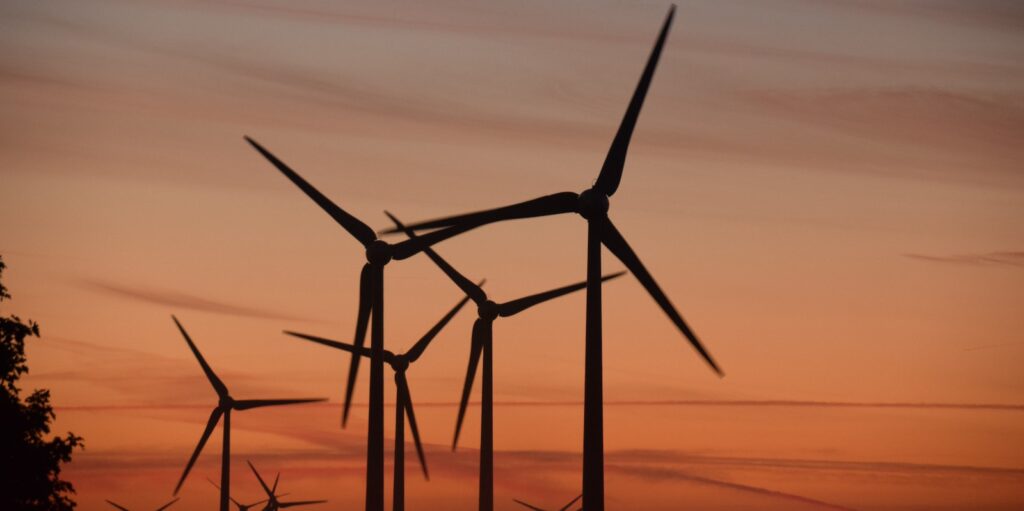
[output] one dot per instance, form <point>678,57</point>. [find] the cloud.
<point>750,403</point>
<point>928,133</point>
<point>991,346</point>
<point>186,301</point>
<point>873,467</point>
<point>695,402</point>
<point>1007,258</point>
<point>654,473</point>
<point>139,378</point>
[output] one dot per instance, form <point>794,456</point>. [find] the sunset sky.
<point>831,192</point>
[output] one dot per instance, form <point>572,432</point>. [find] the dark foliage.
<point>29,464</point>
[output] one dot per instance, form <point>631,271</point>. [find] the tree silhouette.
<point>29,464</point>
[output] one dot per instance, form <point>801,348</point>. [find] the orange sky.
<point>830,192</point>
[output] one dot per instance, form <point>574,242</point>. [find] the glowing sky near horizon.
<point>831,192</point>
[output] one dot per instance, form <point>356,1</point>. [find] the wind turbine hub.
<point>379,253</point>
<point>399,364</point>
<point>593,204</point>
<point>487,310</point>
<point>226,402</point>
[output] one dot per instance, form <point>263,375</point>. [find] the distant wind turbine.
<point>403,399</point>
<point>272,503</point>
<point>224,408</point>
<point>371,300</point>
<point>481,347</point>
<point>592,204</point>
<point>563,508</point>
<point>161,508</point>
<point>241,507</point>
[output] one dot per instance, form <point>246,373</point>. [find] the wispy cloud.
<point>181,300</point>
<point>1007,258</point>
<point>139,378</point>
<point>778,403</point>
<point>662,473</point>
<point>991,346</point>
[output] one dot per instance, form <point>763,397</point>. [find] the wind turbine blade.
<point>417,349</point>
<point>556,203</point>
<point>353,225</point>
<point>476,350</point>
<point>300,503</point>
<point>404,388</point>
<point>516,306</point>
<point>362,320</point>
<point>413,246</point>
<point>210,424</point>
<point>467,286</point>
<point>521,503</point>
<point>617,244</point>
<point>363,352</point>
<point>218,385</point>
<point>571,502</point>
<point>122,508</point>
<point>246,404</point>
<point>611,171</point>
<point>167,505</point>
<point>270,493</point>
<point>217,486</point>
<point>408,248</point>
<point>277,479</point>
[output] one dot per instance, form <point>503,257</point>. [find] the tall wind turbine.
<point>535,508</point>
<point>272,503</point>
<point>592,204</point>
<point>239,505</point>
<point>403,398</point>
<point>481,347</point>
<point>224,408</point>
<point>161,508</point>
<point>371,300</point>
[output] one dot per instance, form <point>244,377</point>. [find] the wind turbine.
<point>224,408</point>
<point>371,300</point>
<point>592,204</point>
<point>241,507</point>
<point>563,508</point>
<point>161,508</point>
<point>481,347</point>
<point>272,503</point>
<point>403,399</point>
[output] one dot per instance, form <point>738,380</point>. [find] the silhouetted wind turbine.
<point>371,300</point>
<point>592,205</point>
<point>241,507</point>
<point>272,503</point>
<point>161,508</point>
<point>224,407</point>
<point>535,508</point>
<point>403,398</point>
<point>481,347</point>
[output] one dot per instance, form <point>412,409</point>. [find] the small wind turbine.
<point>241,507</point>
<point>161,508</point>
<point>481,347</point>
<point>272,503</point>
<point>563,508</point>
<point>224,408</point>
<point>591,204</point>
<point>371,299</point>
<point>403,398</point>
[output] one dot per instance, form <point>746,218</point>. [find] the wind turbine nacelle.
<point>593,204</point>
